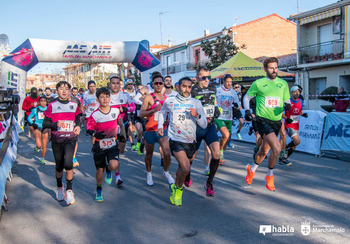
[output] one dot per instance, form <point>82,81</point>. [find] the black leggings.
<point>63,154</point>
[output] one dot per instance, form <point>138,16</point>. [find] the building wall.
<point>270,36</point>
<point>334,76</point>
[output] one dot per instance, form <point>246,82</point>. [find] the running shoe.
<point>206,171</point>
<point>177,199</point>
<point>222,159</point>
<point>108,178</point>
<point>230,145</point>
<point>70,200</point>
<point>285,161</point>
<point>118,181</point>
<point>139,153</point>
<point>210,190</point>
<point>36,149</point>
<point>42,161</point>
<point>188,182</point>
<point>149,179</point>
<point>251,130</point>
<point>172,190</point>
<point>99,197</point>
<point>250,175</point>
<point>75,162</point>
<point>133,147</point>
<point>168,177</point>
<point>239,136</point>
<point>60,194</point>
<point>270,185</point>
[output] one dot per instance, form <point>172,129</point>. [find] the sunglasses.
<point>205,77</point>
<point>158,83</point>
<point>236,87</point>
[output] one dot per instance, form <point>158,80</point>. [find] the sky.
<point>114,20</point>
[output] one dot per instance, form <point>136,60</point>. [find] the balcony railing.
<point>180,67</point>
<point>321,52</point>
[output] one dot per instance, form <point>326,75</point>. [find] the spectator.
<point>341,100</point>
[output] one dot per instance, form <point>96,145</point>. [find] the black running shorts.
<point>100,155</point>
<point>266,126</point>
<point>63,154</point>
<point>188,148</point>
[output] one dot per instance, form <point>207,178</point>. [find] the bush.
<point>332,90</point>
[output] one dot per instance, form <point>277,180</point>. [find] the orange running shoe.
<point>250,175</point>
<point>270,185</point>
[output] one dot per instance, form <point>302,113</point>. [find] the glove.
<point>289,120</point>
<point>235,105</point>
<point>217,112</point>
<point>123,109</point>
<point>35,126</point>
<point>287,106</point>
<point>305,115</point>
<point>248,115</point>
<point>99,135</point>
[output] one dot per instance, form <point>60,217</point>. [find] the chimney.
<point>169,43</point>
<point>206,32</point>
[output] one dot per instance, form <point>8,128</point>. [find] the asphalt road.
<point>313,189</point>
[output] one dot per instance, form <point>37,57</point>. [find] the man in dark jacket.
<point>341,100</point>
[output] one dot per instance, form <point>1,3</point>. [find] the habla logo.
<point>24,57</point>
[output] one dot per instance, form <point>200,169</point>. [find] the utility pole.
<point>160,23</point>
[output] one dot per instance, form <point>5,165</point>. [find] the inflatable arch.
<point>14,67</point>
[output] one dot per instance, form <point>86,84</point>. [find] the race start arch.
<point>14,67</point>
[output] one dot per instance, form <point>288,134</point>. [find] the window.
<point>316,86</point>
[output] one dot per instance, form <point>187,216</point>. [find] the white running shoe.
<point>60,194</point>
<point>70,200</point>
<point>149,179</point>
<point>168,177</point>
<point>118,181</point>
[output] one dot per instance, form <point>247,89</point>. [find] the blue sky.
<point>133,20</point>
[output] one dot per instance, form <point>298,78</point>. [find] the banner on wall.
<point>336,135</point>
<point>310,132</point>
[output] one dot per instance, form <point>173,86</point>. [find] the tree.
<point>137,76</point>
<point>219,50</point>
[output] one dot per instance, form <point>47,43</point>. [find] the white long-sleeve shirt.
<point>182,125</point>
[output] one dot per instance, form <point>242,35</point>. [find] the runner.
<point>186,115</point>
<point>140,123</point>
<point>103,125</point>
<point>150,109</point>
<point>49,95</point>
<point>207,96</point>
<point>79,101</point>
<point>29,103</point>
<point>291,122</point>
<point>89,100</point>
<point>226,97</point>
<point>129,88</point>
<point>271,92</point>
<point>41,135</point>
<point>169,92</point>
<point>62,117</point>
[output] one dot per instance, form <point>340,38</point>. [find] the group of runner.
<point>177,120</point>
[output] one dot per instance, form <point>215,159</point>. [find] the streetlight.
<point>160,23</point>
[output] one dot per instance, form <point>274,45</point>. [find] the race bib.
<point>107,143</point>
<point>272,102</point>
<point>209,111</point>
<point>68,126</point>
<point>227,113</point>
<point>181,117</point>
<point>41,115</point>
<point>295,118</point>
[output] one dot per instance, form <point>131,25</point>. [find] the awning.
<point>320,16</point>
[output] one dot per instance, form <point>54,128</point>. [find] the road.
<point>313,189</point>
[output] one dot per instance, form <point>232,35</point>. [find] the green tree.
<point>136,76</point>
<point>220,50</point>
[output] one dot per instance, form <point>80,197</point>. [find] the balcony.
<point>326,51</point>
<point>180,67</point>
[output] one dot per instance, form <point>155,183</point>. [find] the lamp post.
<point>160,24</point>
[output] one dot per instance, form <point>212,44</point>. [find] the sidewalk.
<point>313,189</point>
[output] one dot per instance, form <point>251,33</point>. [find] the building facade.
<point>268,36</point>
<point>323,55</point>
<point>44,80</point>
